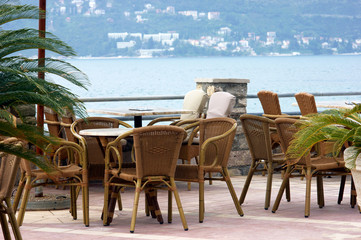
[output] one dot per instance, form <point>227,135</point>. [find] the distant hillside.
<point>85,24</point>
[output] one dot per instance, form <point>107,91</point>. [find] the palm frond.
<point>29,155</point>
<point>10,12</point>
<point>23,39</point>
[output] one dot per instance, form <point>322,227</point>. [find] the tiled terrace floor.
<point>221,220</point>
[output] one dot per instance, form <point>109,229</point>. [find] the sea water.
<point>120,77</point>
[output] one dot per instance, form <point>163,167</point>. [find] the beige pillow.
<point>194,100</point>
<point>220,104</point>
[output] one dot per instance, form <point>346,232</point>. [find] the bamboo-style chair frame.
<point>216,136</point>
<point>272,110</point>
<point>257,132</point>
<point>73,173</point>
<point>94,151</point>
<point>156,153</point>
<point>9,165</point>
<point>308,167</point>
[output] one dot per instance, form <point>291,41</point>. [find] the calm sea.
<point>175,76</point>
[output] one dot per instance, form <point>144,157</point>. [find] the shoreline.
<point>150,57</point>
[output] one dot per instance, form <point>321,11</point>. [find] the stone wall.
<point>240,158</point>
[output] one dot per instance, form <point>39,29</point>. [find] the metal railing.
<point>179,97</point>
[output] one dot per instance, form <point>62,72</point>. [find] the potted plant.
<point>341,126</point>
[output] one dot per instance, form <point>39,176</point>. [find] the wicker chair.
<point>215,142</point>
<point>257,132</point>
<point>272,109</point>
<point>95,153</point>
<point>307,166</point>
<point>73,173</point>
<point>156,152</point>
<point>9,165</point>
<point>220,105</point>
<point>306,102</point>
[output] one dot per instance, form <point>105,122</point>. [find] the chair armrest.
<point>271,116</point>
<point>163,119</point>
<point>210,141</point>
<point>113,146</point>
<point>192,128</point>
<point>51,122</point>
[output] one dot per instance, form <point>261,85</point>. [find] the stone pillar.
<point>240,157</point>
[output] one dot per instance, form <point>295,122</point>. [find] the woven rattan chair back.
<point>270,103</point>
<point>94,152</point>
<point>53,123</point>
<point>70,168</point>
<point>157,150</point>
<point>308,166</point>
<point>256,130</point>
<point>212,127</point>
<point>156,153</point>
<point>9,165</point>
<point>66,122</point>
<point>306,102</point>
<point>286,129</point>
<point>215,142</point>
<point>96,122</point>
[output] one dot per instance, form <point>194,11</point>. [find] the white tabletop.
<point>336,104</point>
<point>104,132</point>
<point>140,111</point>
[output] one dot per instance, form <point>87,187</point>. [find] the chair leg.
<point>288,191</point>
<point>179,204</point>
<point>247,183</point>
<point>320,193</point>
<point>135,205</point>
<point>148,203</point>
<point>73,202</point>
<point>282,188</point>
<point>24,201</point>
<point>232,192</point>
<point>189,183</point>
<point>308,192</point>
<point>201,200</point>
<point>153,204</point>
<point>19,192</point>
<point>353,194</point>
<point>5,226</point>
<point>342,189</point>
<point>105,206</point>
<point>85,192</point>
<point>119,197</point>
<point>269,186</point>
<point>12,220</point>
<point>170,206</point>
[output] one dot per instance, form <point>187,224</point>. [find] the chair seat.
<point>326,163</point>
<point>64,172</point>
<point>128,174</point>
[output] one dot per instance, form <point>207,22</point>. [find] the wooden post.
<point>41,63</point>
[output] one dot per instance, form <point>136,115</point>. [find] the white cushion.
<point>220,104</point>
<point>194,100</point>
